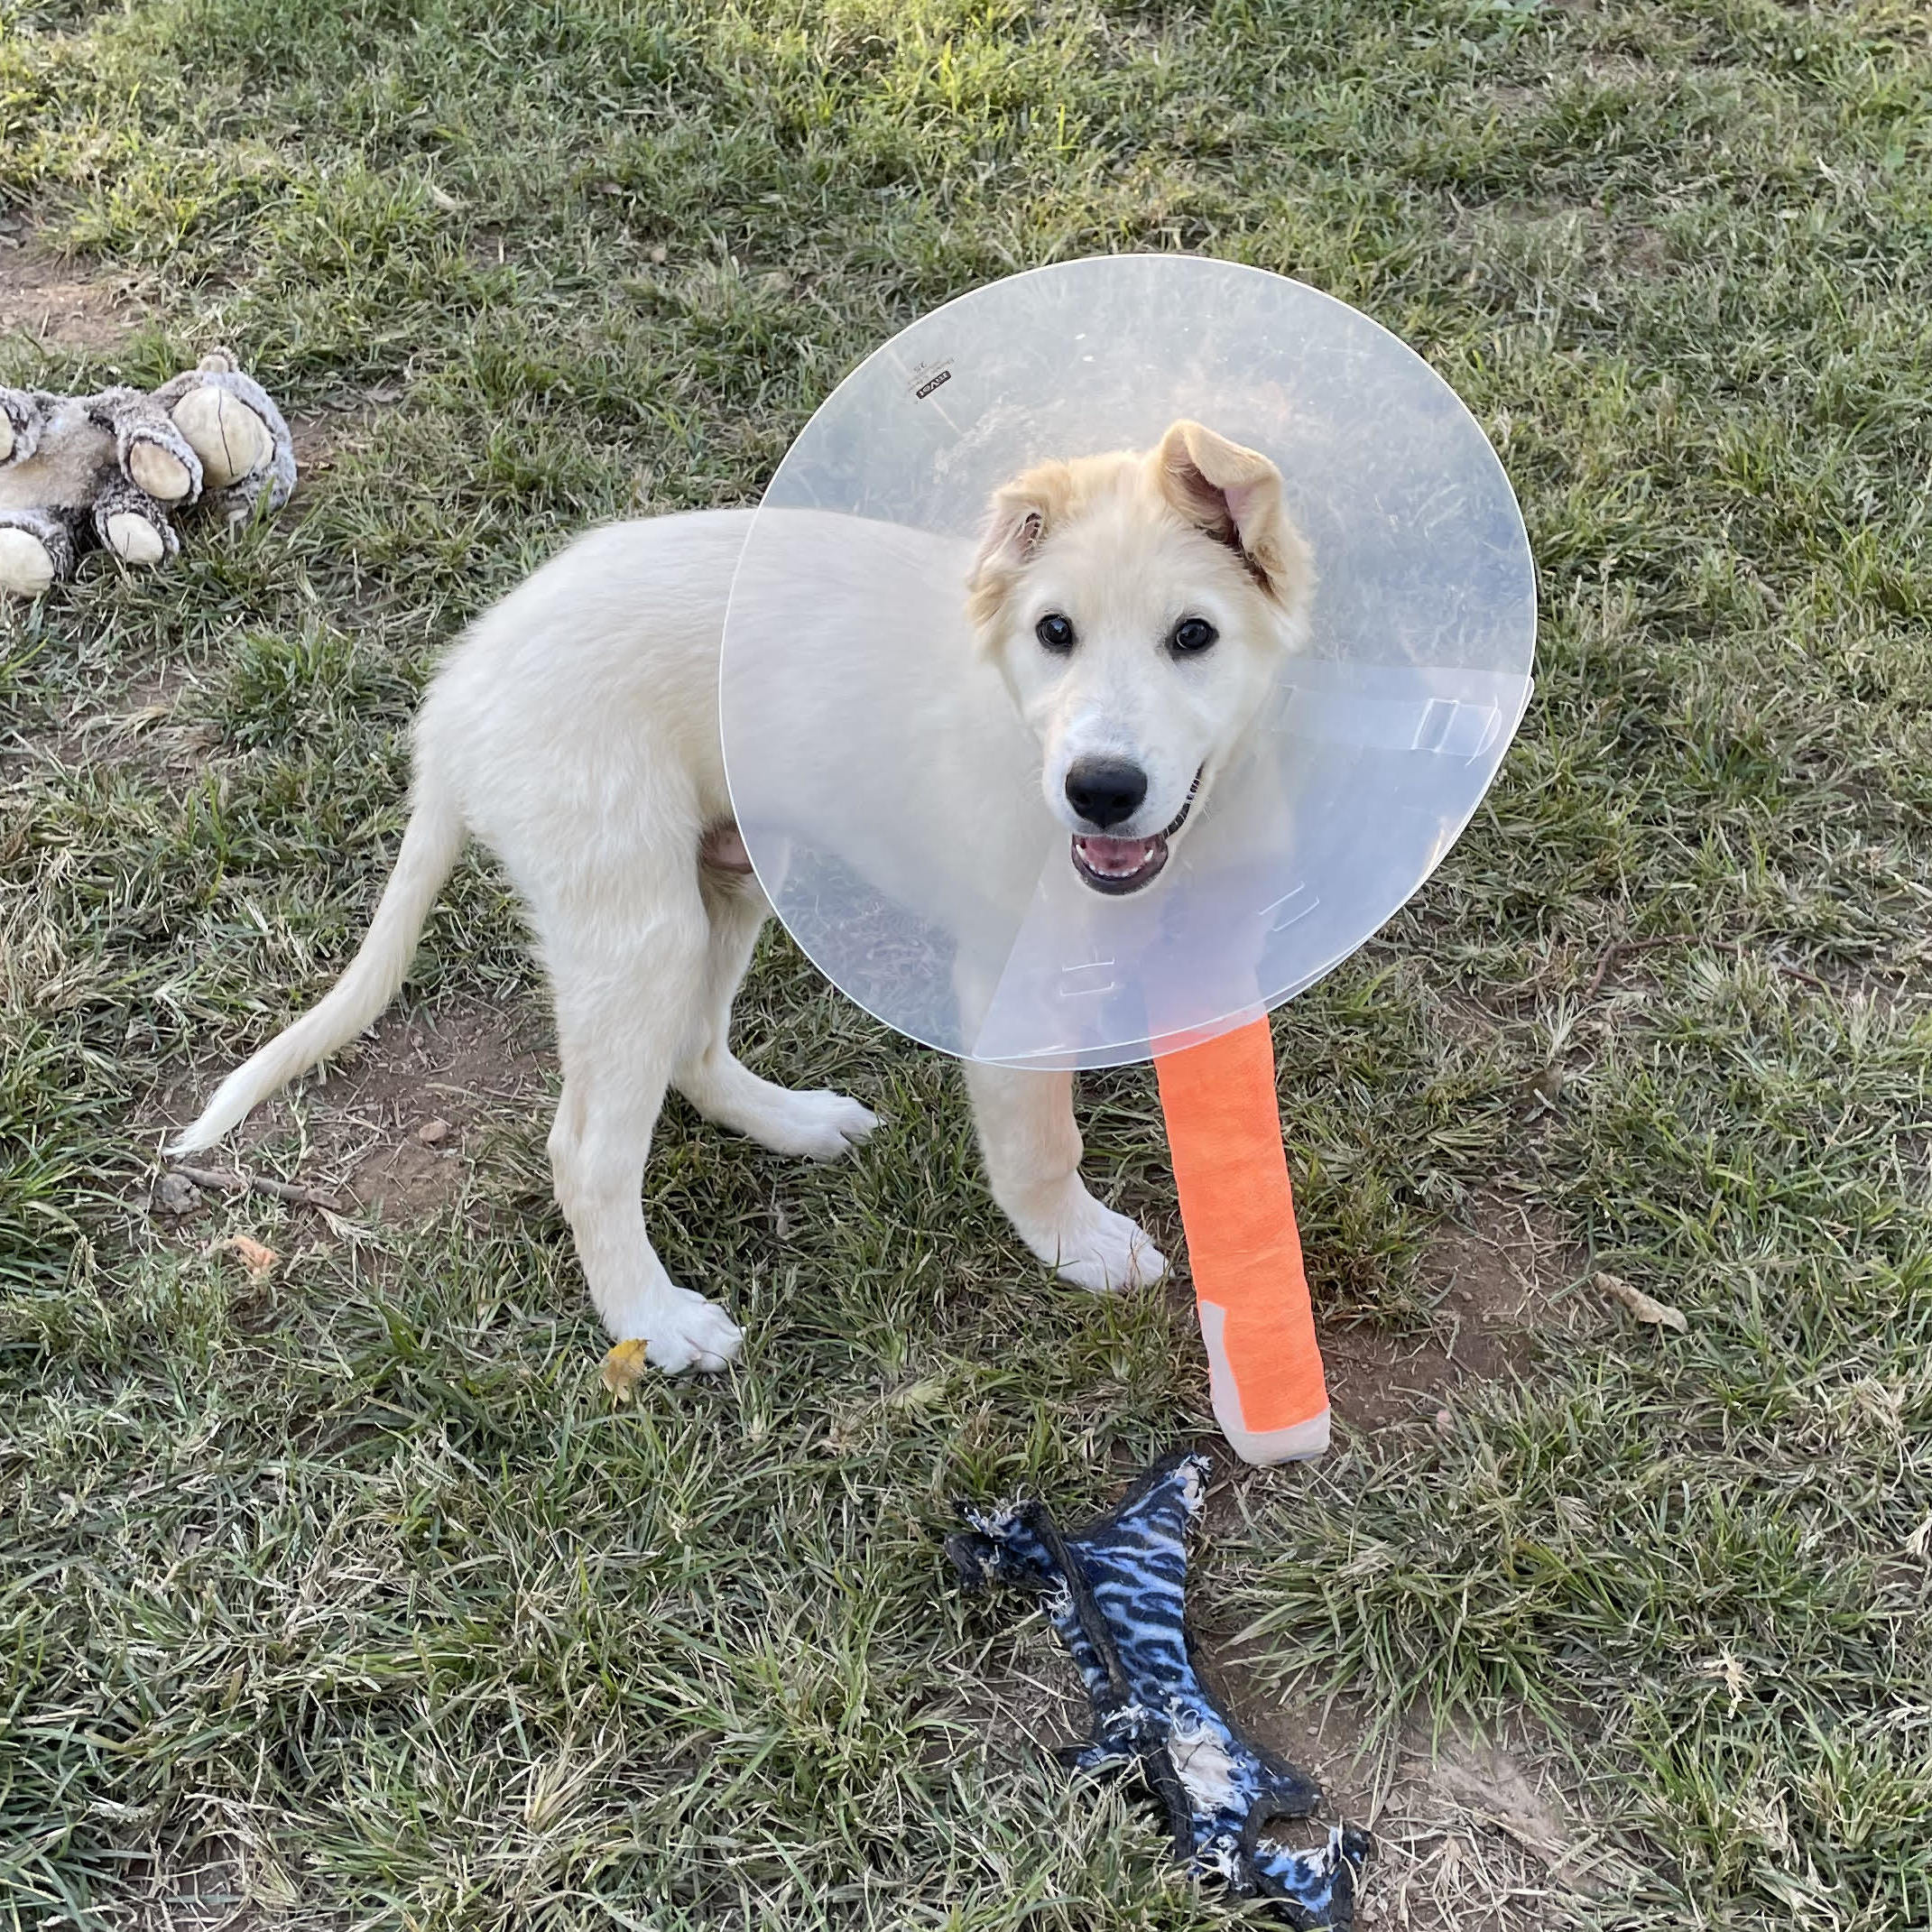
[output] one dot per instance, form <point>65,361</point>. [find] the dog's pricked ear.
<point>1015,523</point>
<point>1234,494</point>
<point>1017,520</point>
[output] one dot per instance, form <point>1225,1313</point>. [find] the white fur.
<point>574,730</point>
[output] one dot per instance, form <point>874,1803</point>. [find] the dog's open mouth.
<point>1123,866</point>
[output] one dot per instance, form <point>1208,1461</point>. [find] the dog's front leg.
<point>1032,1150</point>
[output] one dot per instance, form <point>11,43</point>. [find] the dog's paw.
<point>1098,1250</point>
<point>681,1330</point>
<point>819,1126</point>
<point>1113,1255</point>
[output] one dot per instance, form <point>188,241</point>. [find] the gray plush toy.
<point>112,468</point>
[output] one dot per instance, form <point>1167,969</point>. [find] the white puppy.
<point>1136,608</point>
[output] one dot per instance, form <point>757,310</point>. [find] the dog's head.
<point>1139,607</point>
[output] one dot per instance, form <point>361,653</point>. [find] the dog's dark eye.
<point>1191,637</point>
<point>1055,631</point>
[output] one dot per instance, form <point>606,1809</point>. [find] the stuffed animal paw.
<point>112,469</point>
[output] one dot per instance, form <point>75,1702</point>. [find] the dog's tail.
<point>431,843</point>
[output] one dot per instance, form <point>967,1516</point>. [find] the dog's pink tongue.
<point>1115,858</point>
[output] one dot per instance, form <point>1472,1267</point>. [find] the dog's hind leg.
<point>1033,1150</point>
<point>628,1003</point>
<point>818,1127</point>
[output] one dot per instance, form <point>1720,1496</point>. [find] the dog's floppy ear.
<point>1234,495</point>
<point>1017,520</point>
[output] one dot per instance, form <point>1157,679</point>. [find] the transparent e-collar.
<point>943,899</point>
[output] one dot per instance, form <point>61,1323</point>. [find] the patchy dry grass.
<point>345,1596</point>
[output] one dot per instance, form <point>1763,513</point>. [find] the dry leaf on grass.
<point>1735,1678</point>
<point>1660,1313</point>
<point>624,1369</point>
<point>257,1257</point>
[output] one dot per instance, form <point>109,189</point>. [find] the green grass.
<point>358,1602</point>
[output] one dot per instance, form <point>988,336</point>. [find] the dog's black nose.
<point>1105,790</point>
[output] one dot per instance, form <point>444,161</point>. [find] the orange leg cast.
<point>1223,1126</point>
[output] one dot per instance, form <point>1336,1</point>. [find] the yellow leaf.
<point>255,1256</point>
<point>1661,1313</point>
<point>624,1369</point>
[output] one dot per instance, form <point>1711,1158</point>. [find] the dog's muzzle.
<point>1118,866</point>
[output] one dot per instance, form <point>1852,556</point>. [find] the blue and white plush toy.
<point>1116,1595</point>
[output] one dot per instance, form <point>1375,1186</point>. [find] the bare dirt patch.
<point>1641,252</point>
<point>142,733</point>
<point>46,299</point>
<point>1495,1281</point>
<point>1472,1834</point>
<point>315,439</point>
<point>398,1120</point>
<point>391,1129</point>
<point>322,436</point>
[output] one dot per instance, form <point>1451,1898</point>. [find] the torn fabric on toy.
<point>1116,1594</point>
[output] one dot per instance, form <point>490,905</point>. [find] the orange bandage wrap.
<point>1223,1125</point>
